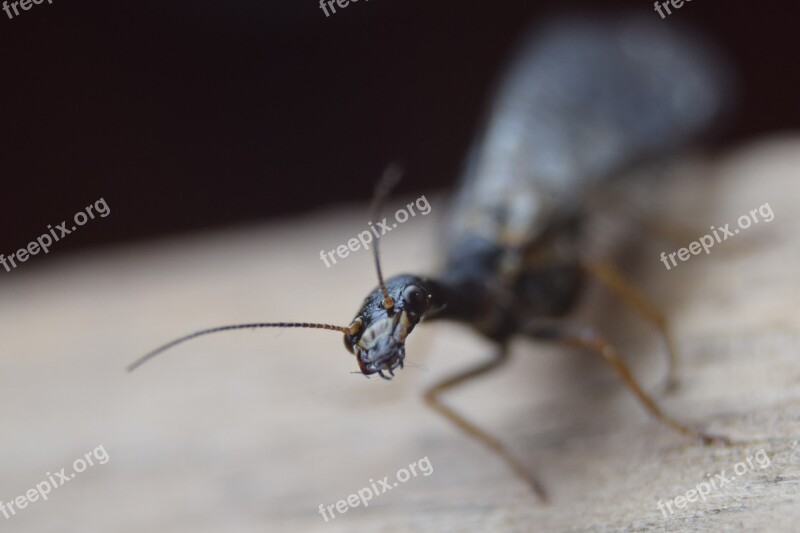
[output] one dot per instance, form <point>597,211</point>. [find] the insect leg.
<point>432,398</point>
<point>586,337</point>
<point>613,280</point>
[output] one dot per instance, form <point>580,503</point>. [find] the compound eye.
<point>415,298</point>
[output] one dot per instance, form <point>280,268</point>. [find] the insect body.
<point>584,101</point>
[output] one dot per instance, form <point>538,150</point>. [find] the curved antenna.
<point>385,185</point>
<point>143,359</point>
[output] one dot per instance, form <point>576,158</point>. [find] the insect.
<point>584,101</point>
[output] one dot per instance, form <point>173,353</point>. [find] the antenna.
<point>384,186</point>
<point>142,360</point>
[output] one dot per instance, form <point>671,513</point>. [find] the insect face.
<point>379,342</point>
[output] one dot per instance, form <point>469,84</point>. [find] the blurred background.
<point>194,114</point>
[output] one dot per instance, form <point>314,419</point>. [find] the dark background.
<point>193,114</point>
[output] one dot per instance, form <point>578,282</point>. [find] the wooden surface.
<point>252,431</point>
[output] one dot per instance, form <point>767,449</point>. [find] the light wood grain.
<point>251,431</point>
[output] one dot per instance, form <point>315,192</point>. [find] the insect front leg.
<point>432,398</point>
<point>586,337</point>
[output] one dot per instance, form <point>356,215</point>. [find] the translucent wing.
<point>583,100</point>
